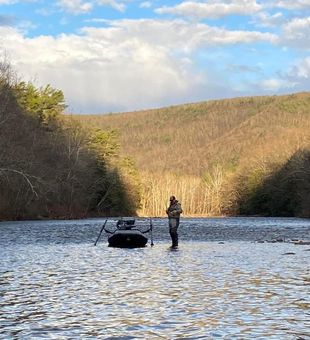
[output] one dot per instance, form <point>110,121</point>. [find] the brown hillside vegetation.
<point>51,168</point>
<point>192,138</point>
<point>238,156</point>
<point>206,152</point>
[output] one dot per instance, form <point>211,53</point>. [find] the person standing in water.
<point>174,211</point>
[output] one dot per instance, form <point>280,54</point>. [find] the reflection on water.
<point>204,290</point>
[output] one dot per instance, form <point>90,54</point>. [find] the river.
<point>229,279</point>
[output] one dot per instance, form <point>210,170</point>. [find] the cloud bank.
<point>130,64</point>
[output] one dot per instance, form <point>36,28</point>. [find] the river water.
<point>224,282</point>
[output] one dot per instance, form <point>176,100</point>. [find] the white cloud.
<point>175,34</point>
<point>145,4</point>
<point>44,11</point>
<point>296,33</point>
<point>127,65</point>
<point>301,70</point>
<point>11,2</point>
<point>8,2</point>
<point>75,6</point>
<point>288,4</point>
<point>119,6</point>
<point>213,9</point>
<point>276,84</point>
<point>265,19</point>
<point>239,68</point>
<point>296,78</point>
<point>99,73</point>
<point>97,20</point>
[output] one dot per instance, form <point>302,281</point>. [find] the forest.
<point>239,156</point>
<point>51,167</point>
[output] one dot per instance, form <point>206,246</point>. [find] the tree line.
<point>218,157</point>
<point>51,166</point>
<point>242,156</point>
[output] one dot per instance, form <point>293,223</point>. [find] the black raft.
<point>128,235</point>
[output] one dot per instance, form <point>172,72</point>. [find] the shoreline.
<point>42,219</point>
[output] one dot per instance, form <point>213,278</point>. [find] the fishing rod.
<point>101,231</point>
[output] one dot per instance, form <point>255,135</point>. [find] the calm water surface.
<point>219,284</point>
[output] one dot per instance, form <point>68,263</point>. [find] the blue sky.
<point>123,55</point>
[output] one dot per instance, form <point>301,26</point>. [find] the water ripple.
<point>205,290</point>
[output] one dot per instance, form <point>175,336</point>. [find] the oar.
<point>151,222</point>
<point>101,231</point>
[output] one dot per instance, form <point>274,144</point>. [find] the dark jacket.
<point>174,210</point>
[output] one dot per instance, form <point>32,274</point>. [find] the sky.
<point>124,55</point>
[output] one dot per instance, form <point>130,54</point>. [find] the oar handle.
<point>101,232</point>
<point>151,226</point>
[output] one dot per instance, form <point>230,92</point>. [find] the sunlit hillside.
<point>189,139</point>
<point>201,151</point>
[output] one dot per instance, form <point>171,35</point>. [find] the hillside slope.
<point>218,156</point>
<point>190,139</point>
<point>49,167</point>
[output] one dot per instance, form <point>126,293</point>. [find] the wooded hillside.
<point>217,155</point>
<point>235,156</point>
<point>51,167</point>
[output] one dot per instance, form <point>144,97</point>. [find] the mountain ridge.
<point>210,123</point>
